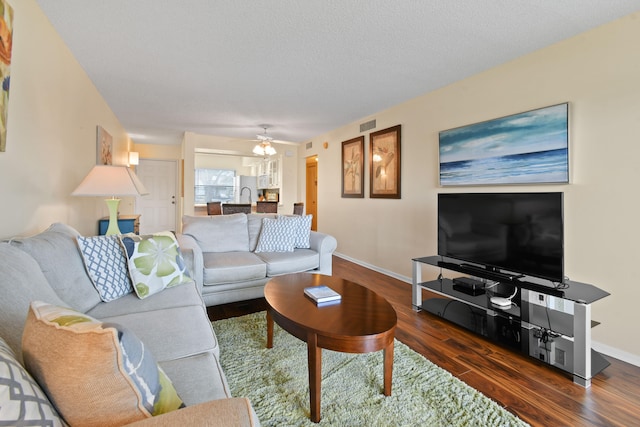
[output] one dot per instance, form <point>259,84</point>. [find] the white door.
<point>158,208</point>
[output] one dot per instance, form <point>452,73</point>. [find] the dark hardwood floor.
<point>539,394</point>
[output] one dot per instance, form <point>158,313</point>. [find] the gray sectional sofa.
<point>233,256</point>
<point>172,324</point>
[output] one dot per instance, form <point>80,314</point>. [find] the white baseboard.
<point>616,353</point>
<point>597,346</point>
<point>374,268</point>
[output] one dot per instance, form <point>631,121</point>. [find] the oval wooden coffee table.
<point>361,322</point>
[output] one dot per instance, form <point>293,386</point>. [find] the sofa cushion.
<point>171,333</point>
<point>218,233</point>
<point>254,222</point>
<point>21,281</point>
<point>106,264</point>
<point>231,267</point>
<point>198,378</point>
<point>114,379</point>
<point>291,262</point>
<point>277,235</point>
<point>22,401</point>
<point>154,261</point>
<point>153,330</point>
<point>56,251</point>
<point>184,295</point>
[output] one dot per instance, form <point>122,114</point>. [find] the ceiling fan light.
<point>264,148</point>
<point>258,150</point>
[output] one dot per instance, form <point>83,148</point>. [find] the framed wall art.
<point>104,147</point>
<point>384,163</point>
<point>353,167</point>
<point>524,148</point>
<point>6,45</point>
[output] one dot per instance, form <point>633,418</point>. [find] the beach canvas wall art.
<point>525,148</point>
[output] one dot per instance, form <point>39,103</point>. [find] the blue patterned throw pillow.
<point>106,264</point>
<point>22,401</point>
<point>276,235</point>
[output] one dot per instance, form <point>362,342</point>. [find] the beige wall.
<point>158,151</point>
<point>598,73</point>
<point>51,133</point>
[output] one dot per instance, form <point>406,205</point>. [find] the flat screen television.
<point>519,233</point>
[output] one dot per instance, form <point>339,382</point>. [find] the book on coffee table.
<point>322,294</point>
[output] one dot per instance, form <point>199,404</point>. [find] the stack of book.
<point>322,294</point>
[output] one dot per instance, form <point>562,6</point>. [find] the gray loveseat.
<point>172,324</point>
<point>231,262</point>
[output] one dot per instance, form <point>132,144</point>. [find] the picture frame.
<point>525,148</point>
<point>104,147</point>
<point>384,163</point>
<point>6,46</point>
<point>353,168</point>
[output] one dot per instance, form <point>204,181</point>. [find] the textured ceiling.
<point>225,67</point>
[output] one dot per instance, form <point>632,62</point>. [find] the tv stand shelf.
<point>550,323</point>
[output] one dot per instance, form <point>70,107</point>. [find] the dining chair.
<point>231,208</point>
<point>214,208</point>
<point>267,207</point>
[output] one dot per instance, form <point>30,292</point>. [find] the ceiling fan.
<point>264,147</point>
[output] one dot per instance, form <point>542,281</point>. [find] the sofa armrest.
<point>192,257</point>
<point>230,412</point>
<point>324,244</point>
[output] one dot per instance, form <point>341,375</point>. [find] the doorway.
<point>158,208</point>
<point>311,202</point>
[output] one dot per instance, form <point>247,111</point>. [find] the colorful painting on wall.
<point>104,147</point>
<point>6,43</point>
<point>525,148</point>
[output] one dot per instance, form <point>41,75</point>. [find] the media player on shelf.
<point>468,286</point>
<point>500,301</point>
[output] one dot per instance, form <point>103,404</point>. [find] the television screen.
<point>514,232</point>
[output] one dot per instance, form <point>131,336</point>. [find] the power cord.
<point>494,284</point>
<point>490,284</point>
<point>562,285</point>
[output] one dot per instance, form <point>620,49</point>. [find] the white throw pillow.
<point>276,236</point>
<point>302,231</point>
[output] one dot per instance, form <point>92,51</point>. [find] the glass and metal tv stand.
<point>551,324</point>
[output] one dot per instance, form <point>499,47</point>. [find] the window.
<point>214,185</point>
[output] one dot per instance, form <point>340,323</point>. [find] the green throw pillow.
<point>96,374</point>
<point>155,262</point>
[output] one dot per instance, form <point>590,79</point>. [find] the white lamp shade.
<point>134,158</point>
<point>110,181</point>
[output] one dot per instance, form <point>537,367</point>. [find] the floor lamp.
<point>111,181</point>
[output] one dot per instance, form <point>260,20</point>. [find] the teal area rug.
<point>276,382</point>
